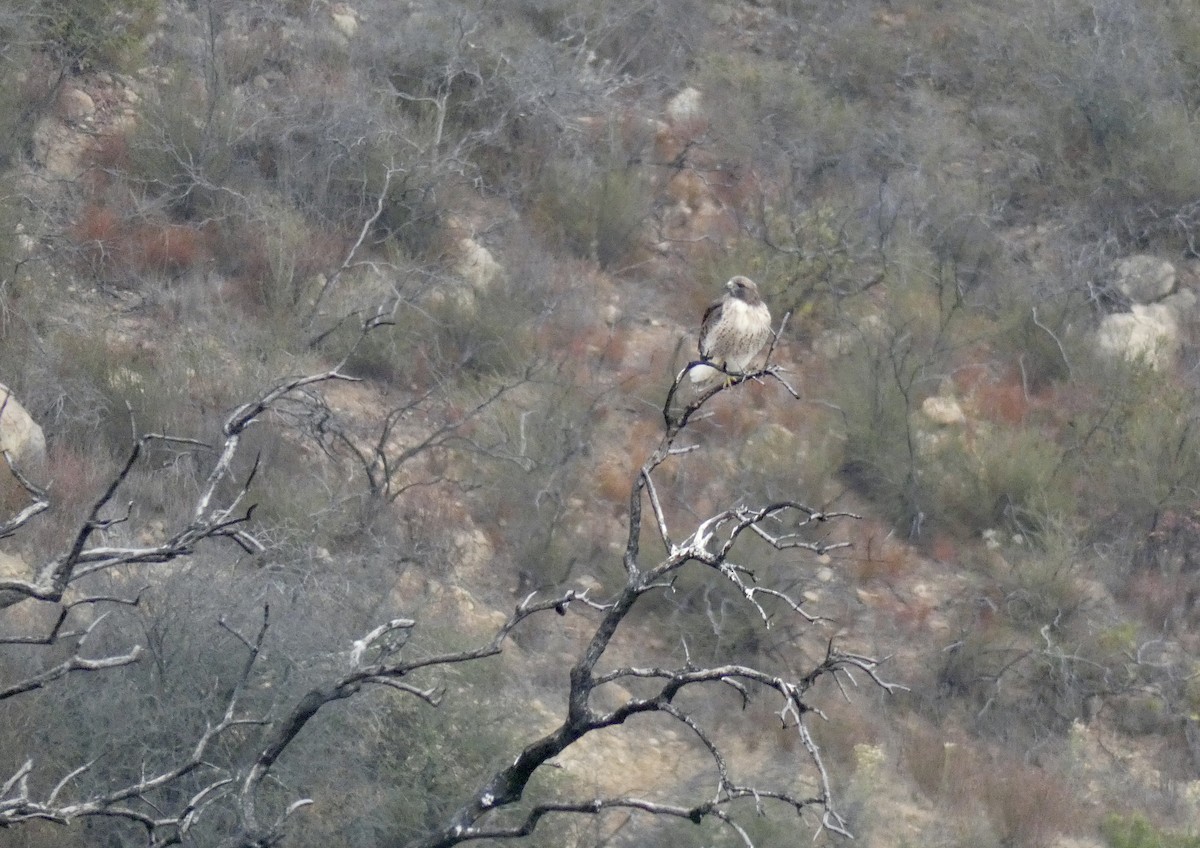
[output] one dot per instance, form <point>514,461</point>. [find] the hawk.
<point>734,330</point>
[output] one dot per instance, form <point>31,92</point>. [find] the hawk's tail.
<point>703,374</point>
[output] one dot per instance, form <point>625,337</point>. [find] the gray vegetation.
<point>354,496</point>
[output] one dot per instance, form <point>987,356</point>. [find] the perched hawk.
<point>734,330</point>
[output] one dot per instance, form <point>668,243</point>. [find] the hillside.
<point>388,300</point>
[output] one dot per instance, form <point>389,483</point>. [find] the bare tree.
<point>260,737</point>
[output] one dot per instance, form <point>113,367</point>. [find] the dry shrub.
<point>596,348</point>
<point>737,418</point>
<point>108,157</point>
<point>688,187</point>
<point>942,769</point>
<point>1025,805</point>
<point>274,262</point>
<point>612,485</point>
<point>1028,806</point>
<point>74,476</point>
<point>1162,599</point>
<point>842,728</point>
<point>1005,397</point>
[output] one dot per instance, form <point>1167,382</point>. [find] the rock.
<point>14,568</point>
<point>1148,333</point>
<point>588,583</point>
<point>943,411</point>
<point>345,19</point>
<point>25,243</point>
<point>57,149</point>
<point>685,106</point>
<point>19,433</point>
<point>472,550</point>
<point>75,105</point>
<point>1144,278</point>
<point>21,616</point>
<point>1183,304</point>
<point>476,264</point>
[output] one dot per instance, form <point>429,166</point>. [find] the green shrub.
<point>26,85</point>
<point>1134,449</point>
<point>1000,476</point>
<point>743,94</point>
<point>457,333</point>
<point>595,215</point>
<point>1135,831</point>
<point>101,32</point>
<point>875,393</point>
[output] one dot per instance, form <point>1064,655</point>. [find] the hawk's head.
<point>743,288</point>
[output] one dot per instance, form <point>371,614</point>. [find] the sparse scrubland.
<point>349,329</point>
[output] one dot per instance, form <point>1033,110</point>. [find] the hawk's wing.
<point>712,317</point>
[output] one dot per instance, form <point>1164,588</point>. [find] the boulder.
<point>57,148</point>
<point>75,105</point>
<point>1148,333</point>
<point>685,106</point>
<point>1144,278</point>
<point>943,411</point>
<point>345,19</point>
<point>14,568</point>
<point>1182,304</point>
<point>18,617</point>
<point>19,433</point>
<point>476,265</point>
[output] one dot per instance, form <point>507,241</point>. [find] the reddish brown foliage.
<point>1003,402</point>
<point>914,615</point>
<point>169,248</point>
<point>1001,399</point>
<point>115,244</point>
<point>97,223</point>
<point>1161,598</point>
<point>944,549</point>
<point>878,556</point>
